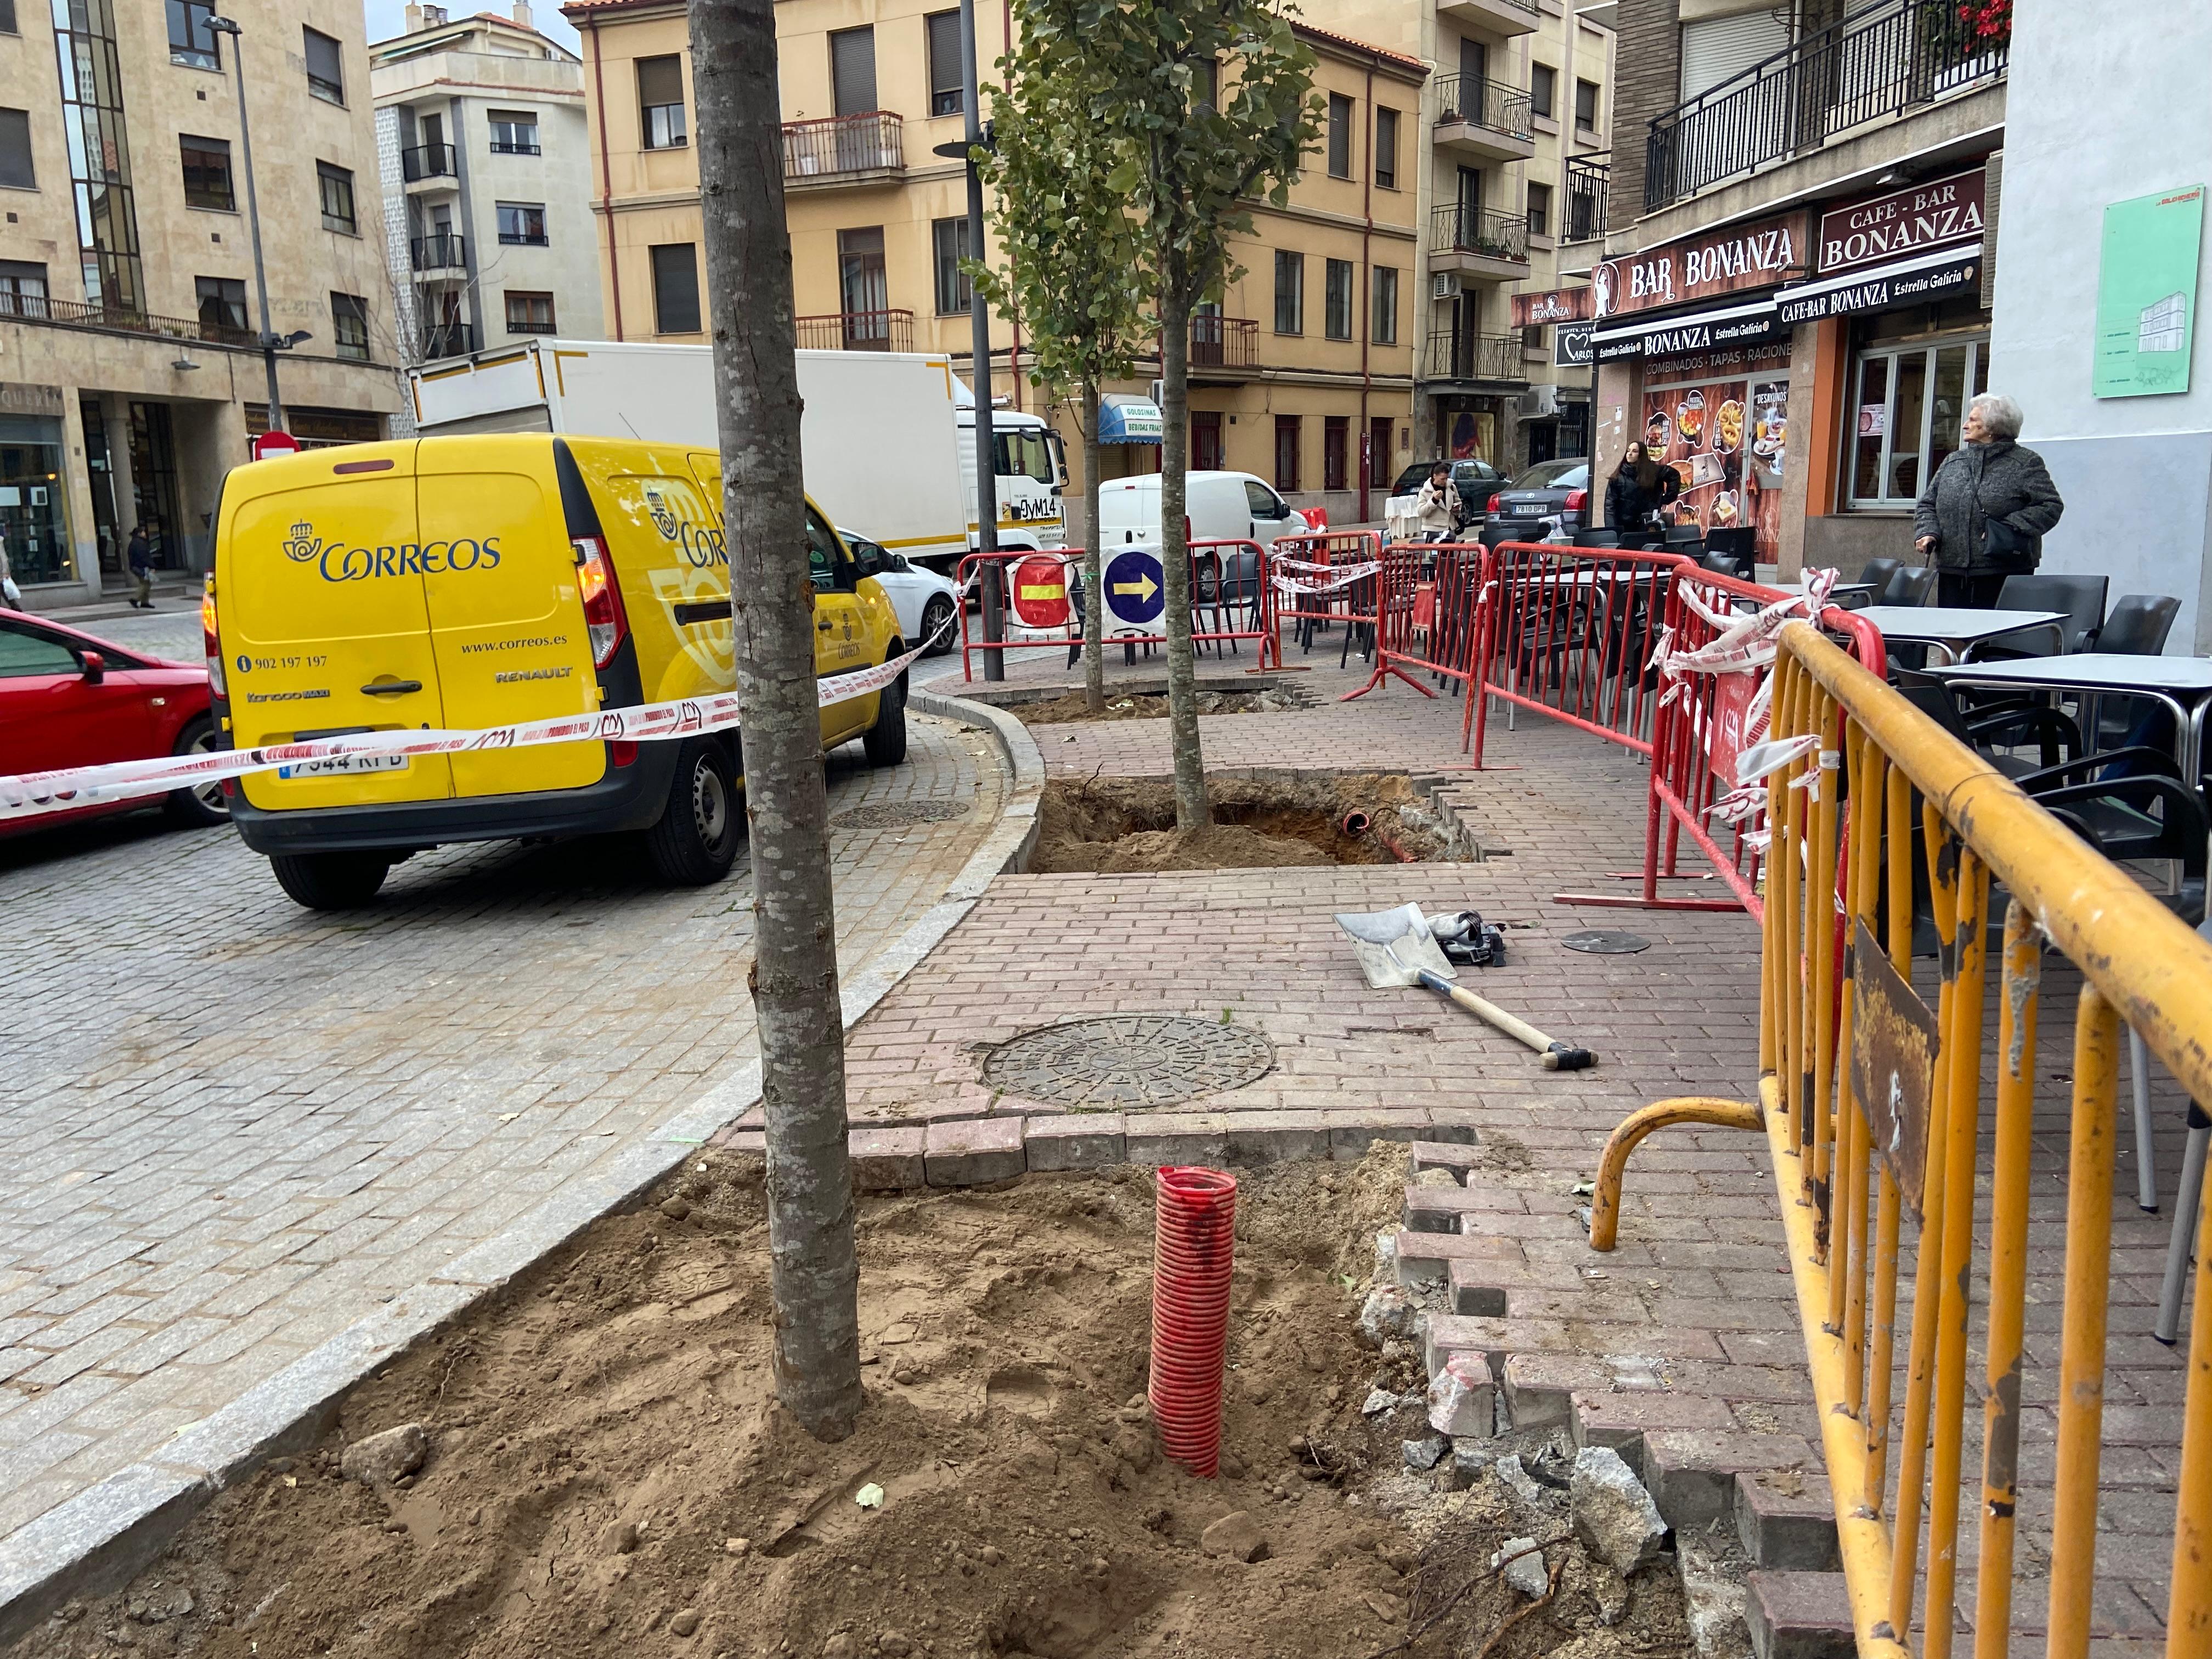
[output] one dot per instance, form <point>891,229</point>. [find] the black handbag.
<point>2009,549</point>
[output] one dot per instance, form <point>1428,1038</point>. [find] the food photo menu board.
<point>1728,440</point>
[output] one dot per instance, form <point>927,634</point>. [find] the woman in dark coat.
<point>1639,487</point>
<point>1989,481</point>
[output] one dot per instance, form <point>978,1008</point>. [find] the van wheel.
<point>203,807</point>
<point>885,741</point>
<point>331,881</point>
<point>696,841</point>
<point>935,615</point>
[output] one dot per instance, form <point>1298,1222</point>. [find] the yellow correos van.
<point>465,582</point>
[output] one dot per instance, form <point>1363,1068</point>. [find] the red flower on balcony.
<point>1987,20</point>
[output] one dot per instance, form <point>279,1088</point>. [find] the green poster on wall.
<point>2146,294</point>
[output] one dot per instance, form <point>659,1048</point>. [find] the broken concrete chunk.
<point>381,1459</point>
<point>1459,1398</point>
<point>1378,1401</point>
<point>1426,1452</point>
<point>1526,1573</point>
<point>1237,1536</point>
<point>1613,1514</point>
<point>1387,1314</point>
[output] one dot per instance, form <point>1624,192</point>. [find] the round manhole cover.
<point>1128,1059</point>
<point>897,814</point>
<point>1599,942</point>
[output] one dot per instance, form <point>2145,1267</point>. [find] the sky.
<point>389,17</point>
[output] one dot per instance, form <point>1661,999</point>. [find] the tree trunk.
<point>1192,812</point>
<point>813,1272</point>
<point>1094,561</point>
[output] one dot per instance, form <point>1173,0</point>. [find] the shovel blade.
<point>1394,947</point>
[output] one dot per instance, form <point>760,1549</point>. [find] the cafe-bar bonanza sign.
<point>1904,247</point>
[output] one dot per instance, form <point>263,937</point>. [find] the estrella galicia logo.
<point>336,562</point>
<point>243,663</point>
<point>663,521</point>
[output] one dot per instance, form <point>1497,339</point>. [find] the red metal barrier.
<point>1428,602</point>
<point>1333,577</point>
<point>1230,599</point>
<point>967,574</point>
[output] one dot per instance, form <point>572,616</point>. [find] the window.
<point>1339,135</point>
<point>337,198</point>
<point>661,99</point>
<point>1290,292</point>
<point>1206,451</point>
<point>522,224</point>
<point>675,288</point>
<point>1386,305</point>
<point>1586,106</point>
<point>1543,88</point>
<point>1539,209</point>
<point>947,81</point>
<point>514,132</point>
<point>864,287</point>
<point>16,171</point>
<point>1719,49</point>
<point>1286,453</point>
<point>207,172</point>
<point>1263,504</point>
<point>1386,149</point>
<point>1905,418</point>
<point>22,288</point>
<point>1532,340</point>
<point>821,561</point>
<point>325,68</point>
<point>8,18</point>
<point>529,313</point>
<point>1336,445</point>
<point>191,42</point>
<point>25,654</point>
<point>853,72</point>
<point>1209,85</point>
<point>1336,300</point>
<point>222,303</point>
<point>949,240</point>
<point>349,326</point>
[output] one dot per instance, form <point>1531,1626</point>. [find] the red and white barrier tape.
<point>1343,575</point>
<point>32,794</point>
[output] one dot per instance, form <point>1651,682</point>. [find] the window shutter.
<point>1720,48</point>
<point>852,70</point>
<point>15,169</point>
<point>659,81</point>
<point>943,53</point>
<point>324,63</point>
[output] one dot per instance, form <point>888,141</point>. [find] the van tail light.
<point>604,620</point>
<point>1578,500</point>
<point>210,639</point>
<point>622,752</point>
<point>1496,504</point>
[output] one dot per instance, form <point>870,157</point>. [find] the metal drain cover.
<point>1599,942</point>
<point>897,814</point>
<point>1128,1059</point>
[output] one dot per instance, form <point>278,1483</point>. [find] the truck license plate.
<point>339,765</point>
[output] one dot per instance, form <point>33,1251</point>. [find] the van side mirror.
<point>93,666</point>
<point>867,562</point>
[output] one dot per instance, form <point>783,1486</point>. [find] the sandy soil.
<point>608,1472</point>
<point>1124,825</point>
<point>1076,705</point>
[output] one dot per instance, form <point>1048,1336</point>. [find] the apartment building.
<point>1301,371</point>
<point>130,376</point>
<point>485,156</point>
<point>1794,307</point>
<point>1511,150</point>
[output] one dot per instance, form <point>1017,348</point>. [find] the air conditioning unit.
<point>1537,402</point>
<point>1443,286</point>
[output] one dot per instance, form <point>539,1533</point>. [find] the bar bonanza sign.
<point>1762,254</point>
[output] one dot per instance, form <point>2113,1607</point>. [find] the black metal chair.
<point>1909,584</point>
<point>1743,567</point>
<point>1605,538</point>
<point>1875,574</point>
<point>2080,598</point>
<point>2137,625</point>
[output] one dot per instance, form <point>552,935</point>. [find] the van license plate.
<point>339,765</point>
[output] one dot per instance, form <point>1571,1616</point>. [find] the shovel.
<point>1399,947</point>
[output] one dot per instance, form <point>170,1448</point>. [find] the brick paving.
<point>235,1127</point>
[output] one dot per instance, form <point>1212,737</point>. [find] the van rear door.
<point>324,625</point>
<point>498,575</point>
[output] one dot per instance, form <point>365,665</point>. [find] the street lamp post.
<point>269,342</point>
<point>979,314</point>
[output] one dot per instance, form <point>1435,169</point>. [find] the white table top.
<point>2092,671</point>
<point>1944,624</point>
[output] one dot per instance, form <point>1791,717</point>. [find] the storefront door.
<point>153,482</point>
<point>31,499</point>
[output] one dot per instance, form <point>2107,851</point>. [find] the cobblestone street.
<point>234,1126</point>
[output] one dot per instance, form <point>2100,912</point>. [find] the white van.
<point>1230,506</point>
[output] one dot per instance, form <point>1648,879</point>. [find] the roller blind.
<point>1720,48</point>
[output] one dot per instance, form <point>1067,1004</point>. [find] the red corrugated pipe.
<point>1194,1248</point>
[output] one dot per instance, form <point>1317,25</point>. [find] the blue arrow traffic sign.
<point>1135,590</point>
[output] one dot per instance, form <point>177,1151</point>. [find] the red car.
<point>68,699</point>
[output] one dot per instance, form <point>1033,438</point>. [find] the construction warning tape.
<point>1344,576</point>
<point>31,794</point>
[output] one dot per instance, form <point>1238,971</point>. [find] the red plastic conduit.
<point>1194,1248</point>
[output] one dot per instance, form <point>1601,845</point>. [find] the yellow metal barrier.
<point>1839,1011</point>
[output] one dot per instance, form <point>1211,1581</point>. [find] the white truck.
<point>887,442</point>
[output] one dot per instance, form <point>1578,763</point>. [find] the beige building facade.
<point>1302,373</point>
<point>130,379</point>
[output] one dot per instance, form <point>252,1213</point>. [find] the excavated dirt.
<point>608,1470</point>
<point>1076,705</point>
<point>1127,825</point>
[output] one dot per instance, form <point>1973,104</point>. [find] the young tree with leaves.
<point>1210,105</point>
<point>814,1269</point>
<point>1072,276</point>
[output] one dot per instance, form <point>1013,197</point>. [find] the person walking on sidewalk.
<point>1986,508</point>
<point>1639,487</point>
<point>1439,505</point>
<point>139,554</point>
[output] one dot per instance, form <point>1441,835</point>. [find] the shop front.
<point>32,493</point>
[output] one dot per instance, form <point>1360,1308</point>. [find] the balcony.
<point>1586,193</point>
<point>427,161</point>
<point>1502,18</point>
<point>844,149</point>
<point>856,331</point>
<point>1483,120</point>
<point>448,340</point>
<point>114,319</point>
<point>1217,341</point>
<point>1490,359</point>
<point>1480,243</point>
<point>1889,59</point>
<point>444,250</point>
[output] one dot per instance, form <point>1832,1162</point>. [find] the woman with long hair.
<point>1639,487</point>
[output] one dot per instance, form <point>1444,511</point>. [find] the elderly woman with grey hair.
<point>1985,509</point>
